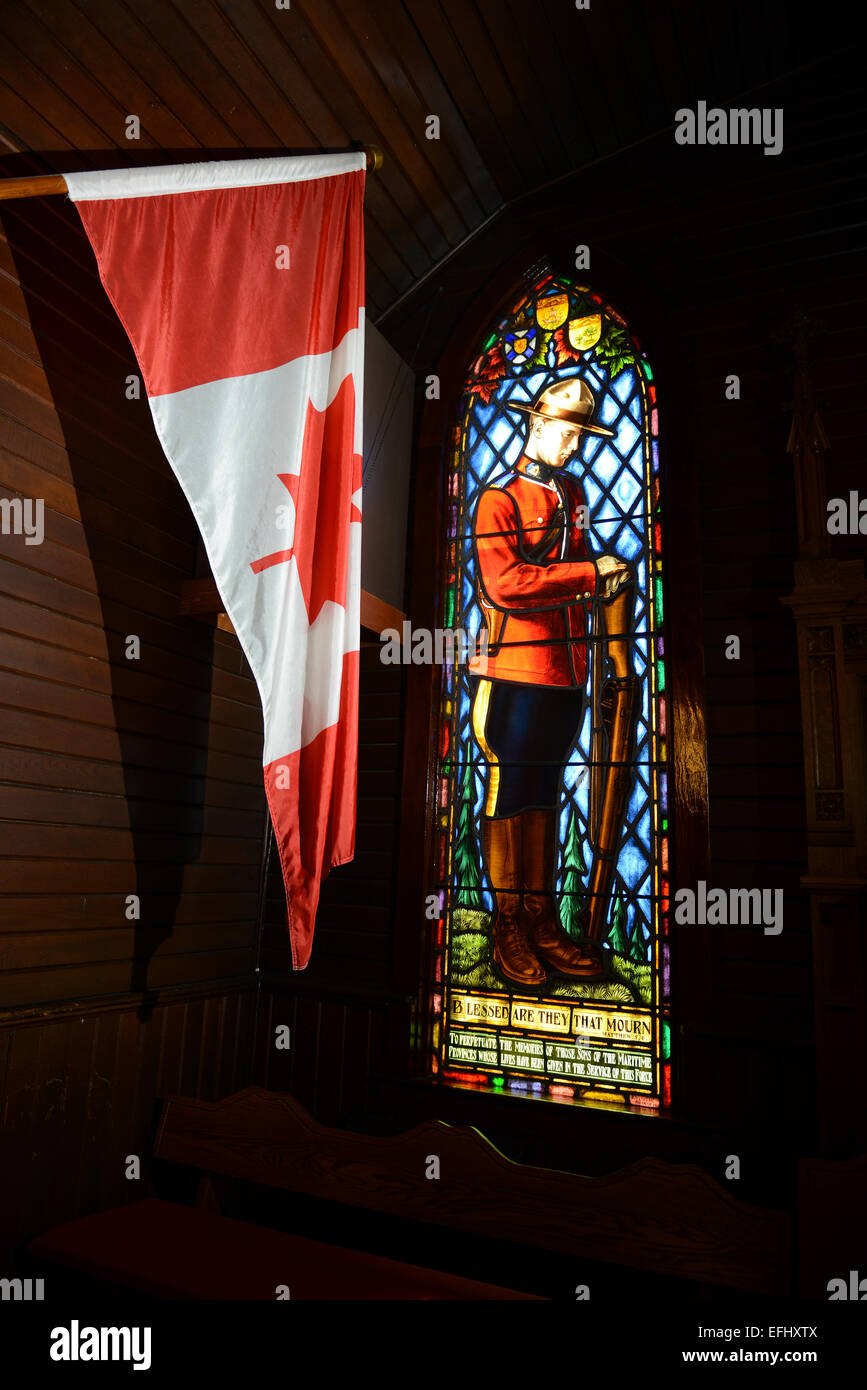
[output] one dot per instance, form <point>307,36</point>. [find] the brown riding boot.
<point>502,845</point>
<point>582,959</point>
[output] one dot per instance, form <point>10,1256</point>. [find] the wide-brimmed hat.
<point>570,401</point>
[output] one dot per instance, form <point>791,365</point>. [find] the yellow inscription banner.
<point>622,1026</point>
<point>467,1008</point>
<point>542,1018</point>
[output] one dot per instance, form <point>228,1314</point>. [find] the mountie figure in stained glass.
<point>550,957</point>
<point>538,587</point>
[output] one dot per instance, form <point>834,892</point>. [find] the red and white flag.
<point>241,286</point>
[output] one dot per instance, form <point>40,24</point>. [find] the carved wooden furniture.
<point>667,1219</point>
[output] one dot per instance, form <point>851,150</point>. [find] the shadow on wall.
<point>122,540</point>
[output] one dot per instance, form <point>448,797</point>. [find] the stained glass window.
<point>550,955</point>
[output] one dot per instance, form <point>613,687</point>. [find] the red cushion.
<point>173,1251</point>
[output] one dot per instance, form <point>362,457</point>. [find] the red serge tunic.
<point>542,598</point>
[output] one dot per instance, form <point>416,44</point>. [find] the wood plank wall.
<point>117,776</point>
<point>345,1021</point>
<point>82,1091</point>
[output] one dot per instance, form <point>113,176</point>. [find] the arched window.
<point>550,959</point>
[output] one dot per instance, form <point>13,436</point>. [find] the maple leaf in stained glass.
<point>540,356</point>
<point>486,390</point>
<point>492,363</point>
<point>617,364</point>
<point>563,349</point>
<point>614,350</point>
<point>489,371</point>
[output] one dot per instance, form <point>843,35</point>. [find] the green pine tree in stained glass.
<point>466,852</point>
<point>572,897</point>
<point>617,938</point>
<point>637,947</point>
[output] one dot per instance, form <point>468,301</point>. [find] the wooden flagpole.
<point>43,185</point>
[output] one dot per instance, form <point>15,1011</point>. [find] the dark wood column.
<point>829,602</point>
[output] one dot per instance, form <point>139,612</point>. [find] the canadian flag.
<point>241,286</point>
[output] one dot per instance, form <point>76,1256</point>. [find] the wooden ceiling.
<point>526,91</point>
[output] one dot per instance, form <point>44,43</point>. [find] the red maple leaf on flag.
<point>321,541</point>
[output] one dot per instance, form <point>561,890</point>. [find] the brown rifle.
<point>614,707</point>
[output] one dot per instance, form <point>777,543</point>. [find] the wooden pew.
<point>667,1219</point>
